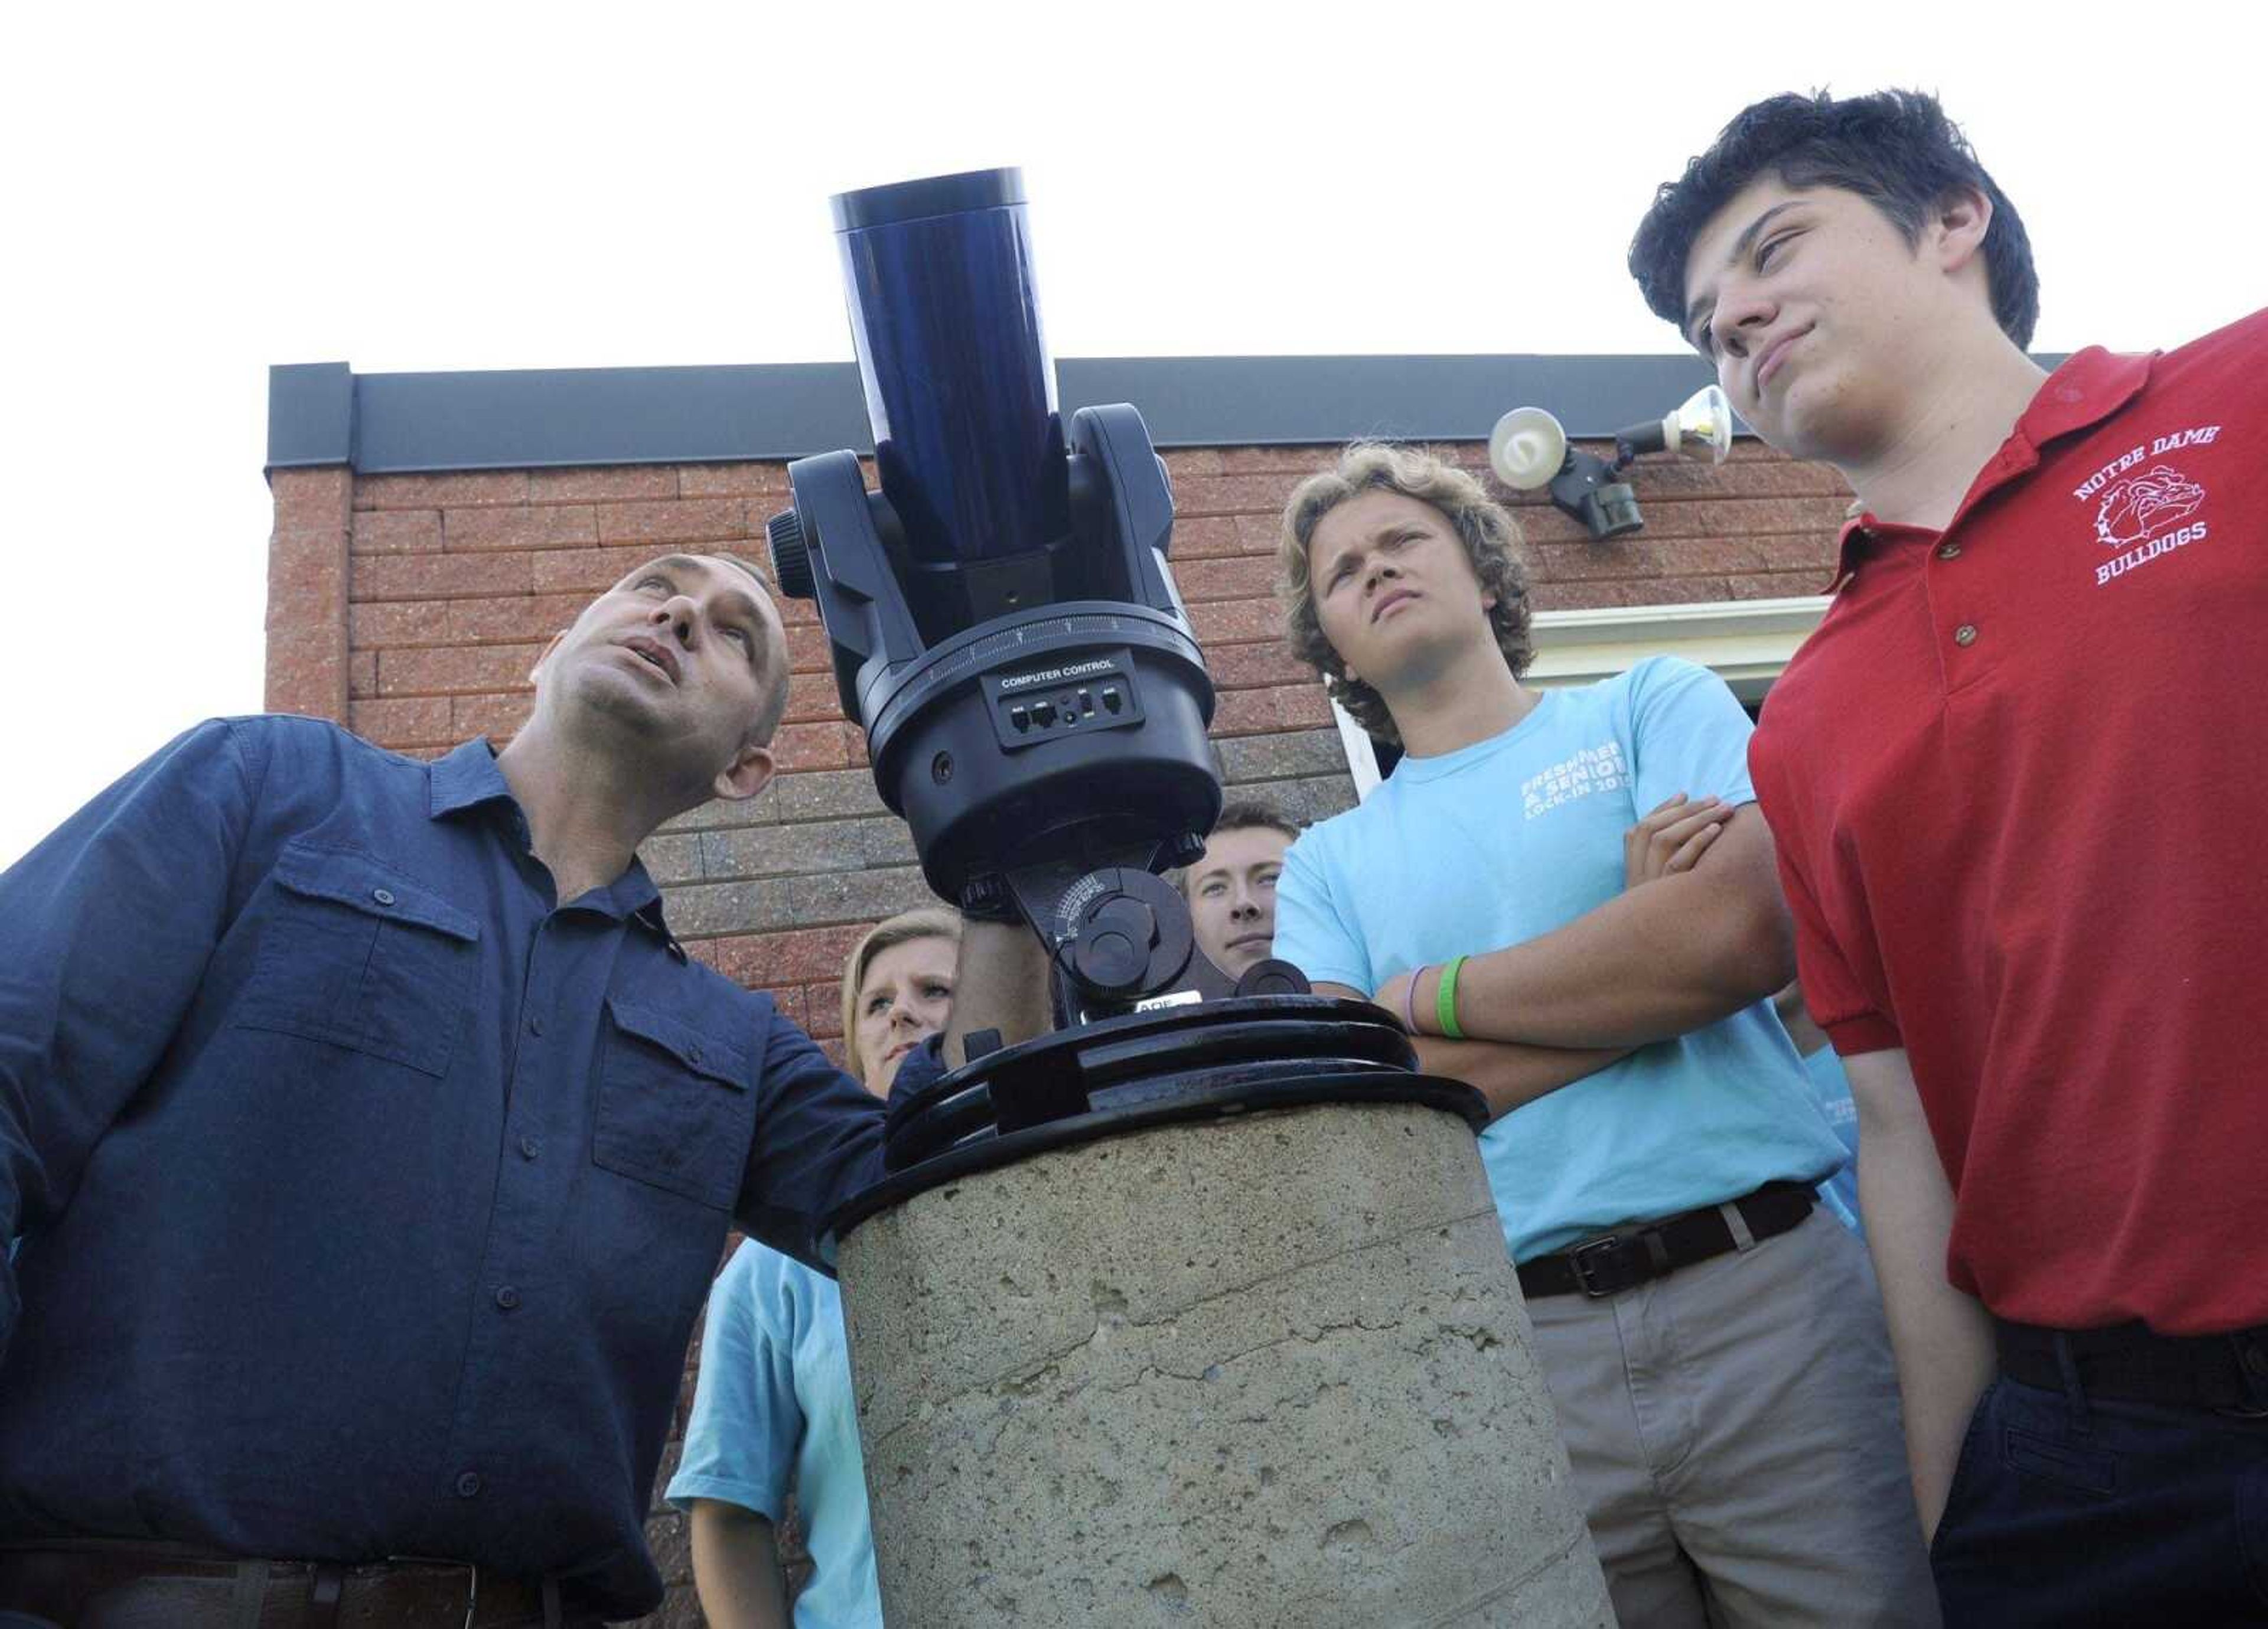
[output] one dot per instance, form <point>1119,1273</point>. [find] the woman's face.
<point>905,996</point>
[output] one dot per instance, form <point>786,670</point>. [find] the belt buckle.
<point>1586,1259</point>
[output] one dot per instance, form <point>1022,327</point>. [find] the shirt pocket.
<point>362,956</point>
<point>674,1105</point>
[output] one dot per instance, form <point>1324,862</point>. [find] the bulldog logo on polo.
<point>2143,503</point>
<point>2138,508</point>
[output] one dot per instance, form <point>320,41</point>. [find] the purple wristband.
<point>1410,1000</point>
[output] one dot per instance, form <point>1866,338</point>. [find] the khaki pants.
<point>1737,1440</point>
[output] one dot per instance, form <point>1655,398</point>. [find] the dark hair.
<point>1896,149</point>
<point>1248,813</point>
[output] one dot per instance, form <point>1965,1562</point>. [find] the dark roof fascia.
<point>324,413</point>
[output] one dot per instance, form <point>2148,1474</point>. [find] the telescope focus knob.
<point>791,555</point>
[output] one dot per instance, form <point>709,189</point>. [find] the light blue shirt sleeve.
<point>1312,932</point>
<point>1688,733</point>
<point>741,1440</point>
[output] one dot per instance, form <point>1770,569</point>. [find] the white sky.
<point>193,193</point>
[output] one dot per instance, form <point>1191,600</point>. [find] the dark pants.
<point>2070,1510</point>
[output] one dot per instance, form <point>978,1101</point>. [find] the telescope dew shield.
<point>959,387</point>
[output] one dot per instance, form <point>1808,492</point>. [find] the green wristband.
<point>1445,999</point>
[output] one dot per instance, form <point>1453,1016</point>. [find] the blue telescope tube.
<point>960,391</point>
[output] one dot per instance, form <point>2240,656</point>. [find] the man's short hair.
<point>1491,537</point>
<point>773,707</point>
<point>1896,149</point>
<point>1244,815</point>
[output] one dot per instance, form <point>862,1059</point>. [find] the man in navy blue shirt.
<point>372,1142</point>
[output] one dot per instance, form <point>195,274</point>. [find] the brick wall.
<point>412,606</point>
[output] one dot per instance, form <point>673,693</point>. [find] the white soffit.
<point>1744,642</point>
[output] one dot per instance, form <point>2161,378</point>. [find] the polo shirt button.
<point>1948,551</point>
<point>383,897</point>
<point>507,1298</point>
<point>1966,634</point>
<point>469,1484</point>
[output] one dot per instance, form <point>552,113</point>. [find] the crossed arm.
<point>1699,933</point>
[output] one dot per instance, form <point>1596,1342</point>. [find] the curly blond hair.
<point>1491,537</point>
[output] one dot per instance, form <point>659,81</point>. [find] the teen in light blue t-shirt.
<point>772,1410</point>
<point>1510,838</point>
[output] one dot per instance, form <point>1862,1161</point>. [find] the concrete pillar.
<point>1266,1370</point>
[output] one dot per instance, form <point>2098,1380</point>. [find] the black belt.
<point>66,1581</point>
<point>2134,1363</point>
<point>1615,1262</point>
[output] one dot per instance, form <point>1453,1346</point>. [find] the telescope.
<point>1194,1181</point>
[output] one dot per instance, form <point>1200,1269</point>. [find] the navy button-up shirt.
<point>368,1195</point>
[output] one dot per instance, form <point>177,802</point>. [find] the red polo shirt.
<point>2018,782</point>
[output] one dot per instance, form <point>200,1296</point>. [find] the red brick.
<point>385,623</point>
<point>307,671</point>
<point>306,578</point>
<point>397,531</point>
<point>1257,535</point>
<point>788,958</point>
<point>460,670</point>
<point>421,722</point>
<point>550,525</point>
<point>1628,591</point>
<point>1232,620</point>
<point>813,747</point>
<point>1252,666</point>
<point>1201,537</point>
<point>362,673</point>
<point>1259,460</point>
<point>732,481</point>
<point>1191,461</point>
<point>1226,494</point>
<point>1780,585</point>
<point>824,1007</point>
<point>809,651</point>
<point>811,696</point>
<point>440,577</point>
<point>1245,577</point>
<point>311,497</point>
<point>500,716</point>
<point>529,616</point>
<point>601,484</point>
<point>1253,712</point>
<point>441,491</point>
<point>681,521</point>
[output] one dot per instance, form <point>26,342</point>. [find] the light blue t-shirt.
<point>1512,838</point>
<point>1832,1089</point>
<point>774,1398</point>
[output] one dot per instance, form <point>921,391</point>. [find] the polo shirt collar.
<point>2090,386</point>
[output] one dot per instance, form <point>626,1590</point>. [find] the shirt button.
<point>469,1484</point>
<point>535,1025</point>
<point>1965,635</point>
<point>383,897</point>
<point>529,1147</point>
<point>507,1298</point>
<point>693,1052</point>
<point>1948,551</point>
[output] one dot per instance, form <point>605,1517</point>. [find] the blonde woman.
<point>773,1408</point>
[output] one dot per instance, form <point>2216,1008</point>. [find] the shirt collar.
<point>469,777</point>
<point>2091,386</point>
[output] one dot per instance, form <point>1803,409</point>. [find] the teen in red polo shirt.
<point>2019,784</point>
